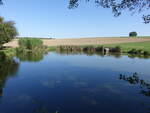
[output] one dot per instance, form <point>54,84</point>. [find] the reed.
<point>116,49</point>
<point>30,43</point>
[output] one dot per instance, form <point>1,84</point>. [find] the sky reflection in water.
<point>75,83</point>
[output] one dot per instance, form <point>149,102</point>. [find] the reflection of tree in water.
<point>8,68</point>
<point>139,56</point>
<point>90,53</point>
<point>134,79</point>
<point>30,56</point>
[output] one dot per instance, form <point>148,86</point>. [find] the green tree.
<point>118,6</point>
<point>7,31</point>
<point>133,34</point>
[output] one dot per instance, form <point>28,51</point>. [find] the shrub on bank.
<point>7,53</point>
<point>135,51</point>
<point>30,43</point>
<point>116,49</point>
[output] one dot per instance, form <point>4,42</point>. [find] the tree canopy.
<point>117,6</point>
<point>1,2</point>
<point>7,31</point>
<point>133,34</point>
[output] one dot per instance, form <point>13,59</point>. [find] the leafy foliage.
<point>118,6</point>
<point>133,34</point>
<point>7,31</point>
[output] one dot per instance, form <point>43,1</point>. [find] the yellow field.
<point>83,41</point>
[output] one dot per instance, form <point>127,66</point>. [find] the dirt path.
<point>83,41</point>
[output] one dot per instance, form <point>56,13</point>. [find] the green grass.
<point>145,46</point>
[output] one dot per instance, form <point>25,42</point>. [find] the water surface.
<point>74,83</point>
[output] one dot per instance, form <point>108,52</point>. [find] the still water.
<point>74,83</point>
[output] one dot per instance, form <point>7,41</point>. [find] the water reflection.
<point>116,55</point>
<point>62,86</point>
<point>138,56</point>
<point>88,53</point>
<point>135,80</point>
<point>30,56</point>
<point>8,68</point>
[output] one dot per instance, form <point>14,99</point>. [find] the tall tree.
<point>7,31</point>
<point>117,6</point>
<point>1,2</point>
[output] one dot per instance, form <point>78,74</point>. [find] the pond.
<point>75,83</point>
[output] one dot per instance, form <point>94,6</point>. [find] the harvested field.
<point>83,41</point>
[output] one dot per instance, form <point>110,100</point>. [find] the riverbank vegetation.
<point>31,44</point>
<point>8,31</point>
<point>26,46</point>
<point>102,49</point>
<point>136,48</point>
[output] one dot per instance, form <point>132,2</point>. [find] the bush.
<point>7,31</point>
<point>133,34</point>
<point>138,52</point>
<point>116,49</point>
<point>30,43</point>
<point>99,49</point>
<point>7,53</point>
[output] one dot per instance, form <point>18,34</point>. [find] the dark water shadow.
<point>8,69</point>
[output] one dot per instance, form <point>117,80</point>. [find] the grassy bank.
<point>131,47</point>
<point>37,46</point>
<point>145,46</point>
<point>26,46</point>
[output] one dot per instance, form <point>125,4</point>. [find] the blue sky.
<point>52,18</point>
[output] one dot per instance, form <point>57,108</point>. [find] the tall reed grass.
<point>116,49</point>
<point>30,43</point>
